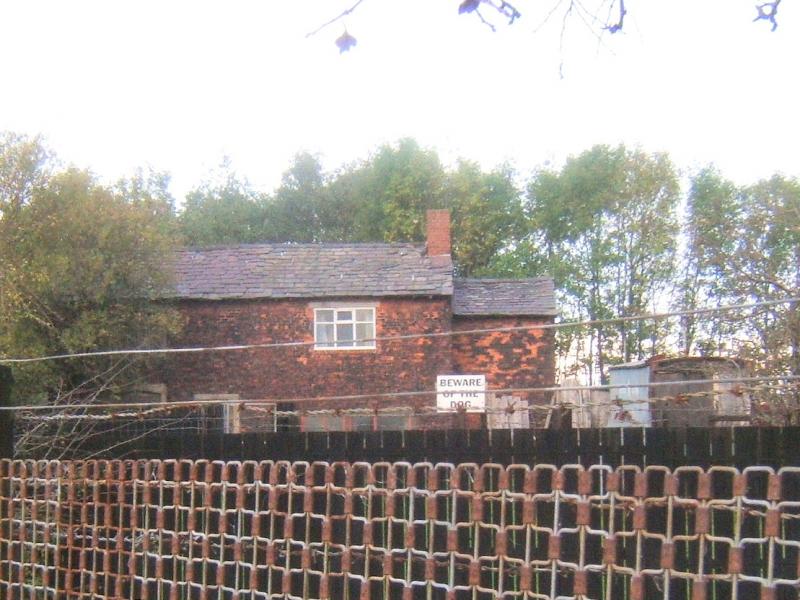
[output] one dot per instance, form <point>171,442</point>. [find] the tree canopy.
<point>382,198</point>
<point>80,267</point>
<point>611,226</point>
<point>605,226</point>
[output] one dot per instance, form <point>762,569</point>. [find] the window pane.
<point>365,314</point>
<point>344,315</point>
<point>324,334</point>
<point>344,332</point>
<point>324,316</point>
<point>365,331</point>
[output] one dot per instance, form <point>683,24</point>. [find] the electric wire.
<point>389,395</point>
<point>410,336</point>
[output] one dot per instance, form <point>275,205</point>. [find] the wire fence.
<point>183,530</point>
<point>85,430</point>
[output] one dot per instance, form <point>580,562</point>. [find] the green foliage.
<point>303,208</point>
<point>24,167</point>
<point>712,212</point>
<point>383,198</point>
<point>80,268</point>
<point>487,217</point>
<point>402,183</point>
<point>606,227</point>
<point>744,246</point>
<point>224,210</point>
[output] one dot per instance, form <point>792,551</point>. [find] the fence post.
<point>6,416</point>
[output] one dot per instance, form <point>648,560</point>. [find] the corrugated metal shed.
<point>634,401</point>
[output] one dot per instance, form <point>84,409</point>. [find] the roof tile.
<point>310,270</point>
<point>473,297</point>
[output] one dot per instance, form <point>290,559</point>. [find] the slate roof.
<point>511,297</point>
<point>310,271</point>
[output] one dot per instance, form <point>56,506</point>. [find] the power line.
<point>390,395</point>
<point>411,336</point>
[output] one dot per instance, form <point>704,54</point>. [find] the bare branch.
<point>547,17</point>
<point>615,27</point>
<point>501,6</point>
<point>564,19</point>
<point>506,9</point>
<point>484,21</point>
<point>338,17</point>
<point>767,12</point>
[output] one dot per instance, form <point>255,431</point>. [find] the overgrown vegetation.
<point>80,267</point>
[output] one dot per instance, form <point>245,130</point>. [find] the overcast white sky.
<point>178,84</point>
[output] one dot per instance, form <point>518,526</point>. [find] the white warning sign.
<point>461,392</point>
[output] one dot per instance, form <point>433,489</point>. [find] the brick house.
<point>336,298</point>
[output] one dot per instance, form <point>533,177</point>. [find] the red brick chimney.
<point>438,230</point>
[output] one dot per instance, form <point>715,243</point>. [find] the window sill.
<point>345,349</point>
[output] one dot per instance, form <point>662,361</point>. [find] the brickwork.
<point>438,232</point>
<point>509,359</point>
<point>266,294</point>
<point>302,372</point>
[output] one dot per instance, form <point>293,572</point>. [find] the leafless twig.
<point>567,13</point>
<point>484,21</point>
<point>338,17</point>
<point>767,12</point>
<point>57,438</point>
<point>504,8</point>
<point>615,27</point>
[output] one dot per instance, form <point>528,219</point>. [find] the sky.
<point>177,85</point>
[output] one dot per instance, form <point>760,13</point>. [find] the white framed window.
<point>344,327</point>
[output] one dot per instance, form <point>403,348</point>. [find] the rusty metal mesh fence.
<point>177,530</point>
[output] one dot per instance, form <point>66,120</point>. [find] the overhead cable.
<point>390,395</point>
<point>410,336</point>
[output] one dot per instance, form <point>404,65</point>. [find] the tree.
<point>747,244</point>
<point>381,198</point>
<point>24,167</point>
<point>71,284</point>
<point>487,216</point>
<point>304,209</point>
<point>398,184</point>
<point>744,247</point>
<point>712,212</point>
<point>223,210</point>
<point>606,228</point>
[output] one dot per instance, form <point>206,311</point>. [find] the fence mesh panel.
<point>177,530</point>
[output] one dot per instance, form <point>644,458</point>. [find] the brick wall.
<point>300,372</point>
<point>509,359</point>
<point>518,359</point>
<point>437,224</point>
